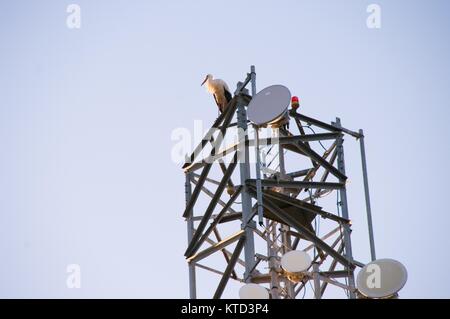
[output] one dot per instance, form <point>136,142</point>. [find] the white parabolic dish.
<point>381,278</point>
<point>253,291</point>
<point>295,261</point>
<point>269,104</point>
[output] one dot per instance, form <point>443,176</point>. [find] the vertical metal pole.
<point>281,156</point>
<point>284,228</point>
<point>366,192</point>
<point>248,224</point>
<point>317,291</point>
<point>272,254</point>
<point>190,233</point>
<point>258,156</point>
<point>258,178</point>
<point>253,76</point>
<point>344,206</point>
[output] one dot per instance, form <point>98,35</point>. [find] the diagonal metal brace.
<point>218,246</point>
<point>212,205</point>
<point>230,267</point>
<point>307,234</point>
<point>195,244</point>
<point>319,160</point>
<point>305,206</point>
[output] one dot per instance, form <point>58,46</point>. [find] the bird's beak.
<point>204,81</point>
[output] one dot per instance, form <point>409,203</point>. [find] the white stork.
<point>219,89</point>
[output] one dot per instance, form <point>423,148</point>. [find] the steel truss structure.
<point>279,209</point>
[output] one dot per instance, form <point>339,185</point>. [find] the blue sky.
<point>86,117</point>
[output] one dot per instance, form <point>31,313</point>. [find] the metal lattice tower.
<point>279,207</point>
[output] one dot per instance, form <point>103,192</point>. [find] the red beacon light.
<point>295,103</point>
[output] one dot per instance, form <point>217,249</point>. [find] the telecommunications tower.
<point>259,205</point>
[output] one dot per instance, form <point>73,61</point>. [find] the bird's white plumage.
<point>216,86</point>
<point>219,89</point>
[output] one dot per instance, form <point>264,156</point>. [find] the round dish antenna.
<point>381,278</point>
<point>253,291</point>
<point>295,261</point>
<point>269,105</point>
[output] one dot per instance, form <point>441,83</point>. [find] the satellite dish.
<point>295,261</point>
<point>269,105</point>
<point>381,278</point>
<point>253,291</point>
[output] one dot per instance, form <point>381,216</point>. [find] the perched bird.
<point>219,89</point>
